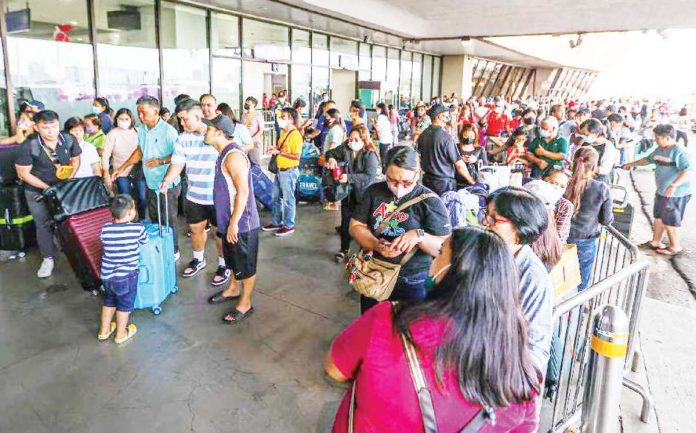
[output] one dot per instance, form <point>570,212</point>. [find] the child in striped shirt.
<point>121,240</point>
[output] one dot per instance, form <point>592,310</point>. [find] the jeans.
<point>587,251</point>
<point>136,189</point>
<point>43,222</point>
<point>172,205</point>
<point>408,288</point>
<point>284,197</point>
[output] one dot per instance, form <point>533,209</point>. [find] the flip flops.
<point>131,330</point>
<point>669,252</point>
<point>648,245</point>
<point>237,316</point>
<point>102,337</point>
<point>218,298</point>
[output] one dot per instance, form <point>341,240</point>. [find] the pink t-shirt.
<point>370,351</point>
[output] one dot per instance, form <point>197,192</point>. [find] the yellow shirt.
<point>289,142</point>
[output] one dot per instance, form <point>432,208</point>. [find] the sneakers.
<point>285,231</point>
<point>46,269</point>
<point>193,268</point>
<point>222,275</point>
<point>271,228</point>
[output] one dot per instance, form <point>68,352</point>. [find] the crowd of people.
<point>460,296</point>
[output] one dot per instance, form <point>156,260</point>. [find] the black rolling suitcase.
<point>624,213</point>
<point>8,156</point>
<point>17,230</point>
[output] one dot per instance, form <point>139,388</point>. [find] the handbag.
<point>376,278</point>
<point>565,276</point>
<point>273,163</point>
<point>425,401</point>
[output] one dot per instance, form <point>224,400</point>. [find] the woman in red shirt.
<point>471,343</point>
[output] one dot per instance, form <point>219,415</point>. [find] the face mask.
<point>588,139</point>
<point>282,123</point>
<point>529,121</point>
<point>431,281</point>
<point>124,124</point>
<point>282,100</point>
<point>401,191</point>
<point>355,145</point>
<point>498,110</point>
<point>91,129</point>
<point>97,110</point>
<point>247,107</point>
<point>468,141</point>
<point>544,133</point>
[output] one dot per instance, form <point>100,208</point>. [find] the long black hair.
<point>129,113</point>
<point>485,344</point>
<point>526,211</point>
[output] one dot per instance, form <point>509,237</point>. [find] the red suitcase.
<point>79,236</point>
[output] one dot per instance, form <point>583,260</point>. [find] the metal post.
<point>605,374</point>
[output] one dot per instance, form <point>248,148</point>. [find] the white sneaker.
<point>46,269</point>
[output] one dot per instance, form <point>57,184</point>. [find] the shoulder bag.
<point>273,163</point>
<point>376,278</point>
<point>425,402</point>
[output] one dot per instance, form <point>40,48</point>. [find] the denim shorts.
<point>670,209</point>
<point>120,292</point>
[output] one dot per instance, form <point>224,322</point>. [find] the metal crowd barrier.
<point>269,132</point>
<point>619,278</point>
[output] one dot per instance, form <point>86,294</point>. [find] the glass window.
<point>320,84</point>
<point>416,78</point>
<point>127,50</point>
<point>301,51</point>
<point>379,63</point>
<point>436,76</point>
<point>365,59</point>
<point>344,53</point>
<point>4,118</point>
<point>320,50</point>
<point>427,78</point>
<point>185,54</point>
<point>227,77</point>
<point>265,41</point>
<point>51,59</point>
<point>390,89</point>
<point>405,80</point>
<point>261,78</point>
<point>301,85</point>
<point>225,35</point>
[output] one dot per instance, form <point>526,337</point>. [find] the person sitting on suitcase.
<point>237,217</point>
<point>44,159</point>
<point>121,240</point>
<point>549,149</point>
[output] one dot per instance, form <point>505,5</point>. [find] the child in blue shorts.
<point>121,240</point>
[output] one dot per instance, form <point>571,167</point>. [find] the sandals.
<point>102,337</point>
<point>131,330</point>
<point>340,257</point>
<point>649,245</point>
<point>222,275</point>
<point>237,316</point>
<point>669,252</point>
<point>219,298</point>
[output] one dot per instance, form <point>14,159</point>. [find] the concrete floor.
<point>185,370</point>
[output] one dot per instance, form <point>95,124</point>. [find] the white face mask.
<point>401,191</point>
<point>355,145</point>
<point>282,123</point>
<point>124,124</point>
<point>544,133</point>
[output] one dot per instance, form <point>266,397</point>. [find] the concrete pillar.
<point>541,84</point>
<point>457,76</point>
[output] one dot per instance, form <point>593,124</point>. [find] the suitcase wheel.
<point>156,311</point>
<point>175,289</point>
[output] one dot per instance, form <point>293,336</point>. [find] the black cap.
<point>437,109</point>
<point>223,123</point>
<point>186,105</point>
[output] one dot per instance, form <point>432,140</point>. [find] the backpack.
<point>308,187</point>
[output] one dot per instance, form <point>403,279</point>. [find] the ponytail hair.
<point>584,166</point>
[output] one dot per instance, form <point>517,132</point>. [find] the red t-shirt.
<point>496,124</point>
<point>370,351</point>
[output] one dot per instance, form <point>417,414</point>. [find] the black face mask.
<point>247,107</point>
<point>468,141</point>
<point>529,121</point>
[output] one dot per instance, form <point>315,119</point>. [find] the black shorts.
<point>241,257</point>
<point>670,209</point>
<point>196,213</point>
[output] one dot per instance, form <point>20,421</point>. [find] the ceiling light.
<point>466,42</point>
<point>662,33</point>
<point>576,43</point>
<point>73,23</point>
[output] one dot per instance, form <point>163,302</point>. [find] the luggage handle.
<point>159,212</point>
<point>623,203</point>
<point>144,274</point>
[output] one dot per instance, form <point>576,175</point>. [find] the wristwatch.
<point>421,235</point>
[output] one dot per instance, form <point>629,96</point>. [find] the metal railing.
<point>619,278</point>
<point>269,132</point>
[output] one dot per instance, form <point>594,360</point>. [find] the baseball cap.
<point>420,104</point>
<point>437,109</point>
<point>223,123</point>
<point>545,191</point>
<point>38,104</point>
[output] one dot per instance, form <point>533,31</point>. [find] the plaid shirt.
<point>564,214</point>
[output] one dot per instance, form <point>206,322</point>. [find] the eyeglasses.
<point>493,220</point>
<point>404,183</point>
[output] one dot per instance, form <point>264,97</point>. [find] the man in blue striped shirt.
<point>121,242</point>
<point>190,151</point>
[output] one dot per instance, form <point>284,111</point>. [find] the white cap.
<point>548,193</point>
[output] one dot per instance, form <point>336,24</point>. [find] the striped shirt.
<point>199,158</point>
<point>121,243</point>
<point>536,299</point>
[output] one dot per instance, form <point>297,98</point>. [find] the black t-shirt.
<point>438,152</point>
<point>430,215</point>
<point>481,157</point>
<point>34,153</point>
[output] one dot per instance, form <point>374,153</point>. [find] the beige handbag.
<point>375,278</point>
